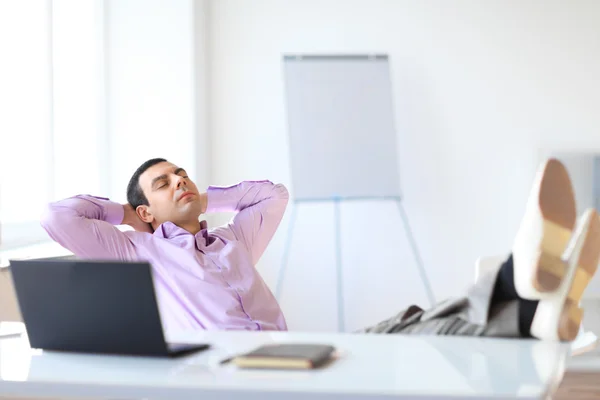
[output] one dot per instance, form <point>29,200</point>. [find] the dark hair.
<point>135,194</point>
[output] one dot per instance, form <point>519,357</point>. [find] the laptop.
<point>93,307</point>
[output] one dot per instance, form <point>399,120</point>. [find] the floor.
<point>579,386</point>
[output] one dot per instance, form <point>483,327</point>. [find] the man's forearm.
<point>89,207</point>
<point>244,194</point>
<point>85,225</point>
<point>259,207</point>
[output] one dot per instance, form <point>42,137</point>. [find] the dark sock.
<point>504,290</point>
<point>526,312</point>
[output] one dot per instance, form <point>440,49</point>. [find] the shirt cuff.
<point>221,199</point>
<point>114,213</point>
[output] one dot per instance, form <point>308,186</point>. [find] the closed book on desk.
<point>286,356</point>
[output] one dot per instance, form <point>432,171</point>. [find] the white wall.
<point>482,90</point>
<point>201,93</point>
<point>151,79</point>
<point>581,170</point>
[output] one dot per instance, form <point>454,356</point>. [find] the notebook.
<point>286,356</point>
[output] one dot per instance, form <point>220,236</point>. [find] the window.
<point>25,123</point>
<point>52,97</point>
<point>57,88</point>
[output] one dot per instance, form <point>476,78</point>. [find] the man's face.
<point>171,194</point>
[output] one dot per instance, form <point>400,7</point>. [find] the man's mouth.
<point>185,194</point>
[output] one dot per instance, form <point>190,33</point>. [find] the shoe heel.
<point>570,322</point>
<point>551,268</point>
<point>559,316</point>
<point>572,314</point>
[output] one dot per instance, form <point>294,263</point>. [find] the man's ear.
<point>143,212</point>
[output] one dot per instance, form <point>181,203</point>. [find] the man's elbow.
<point>50,217</point>
<point>281,193</point>
<point>55,218</point>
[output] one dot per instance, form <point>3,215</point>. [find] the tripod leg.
<point>338,259</point>
<point>416,253</point>
<point>286,252</point>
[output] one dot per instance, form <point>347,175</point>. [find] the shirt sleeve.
<point>85,225</point>
<point>259,208</point>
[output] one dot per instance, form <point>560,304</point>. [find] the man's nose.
<point>180,181</point>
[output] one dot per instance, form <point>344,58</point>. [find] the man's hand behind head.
<point>131,218</point>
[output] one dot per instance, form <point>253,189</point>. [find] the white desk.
<point>369,367</point>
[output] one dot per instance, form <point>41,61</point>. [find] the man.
<point>206,279</point>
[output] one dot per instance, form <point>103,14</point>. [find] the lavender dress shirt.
<point>202,281</point>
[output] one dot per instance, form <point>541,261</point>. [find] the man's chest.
<point>222,260</point>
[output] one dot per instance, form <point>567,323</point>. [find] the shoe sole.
<point>557,207</point>
<point>572,315</point>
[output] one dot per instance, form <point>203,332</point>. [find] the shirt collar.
<point>169,230</point>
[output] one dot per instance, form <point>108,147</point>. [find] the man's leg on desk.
<point>537,289</point>
<point>480,312</point>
